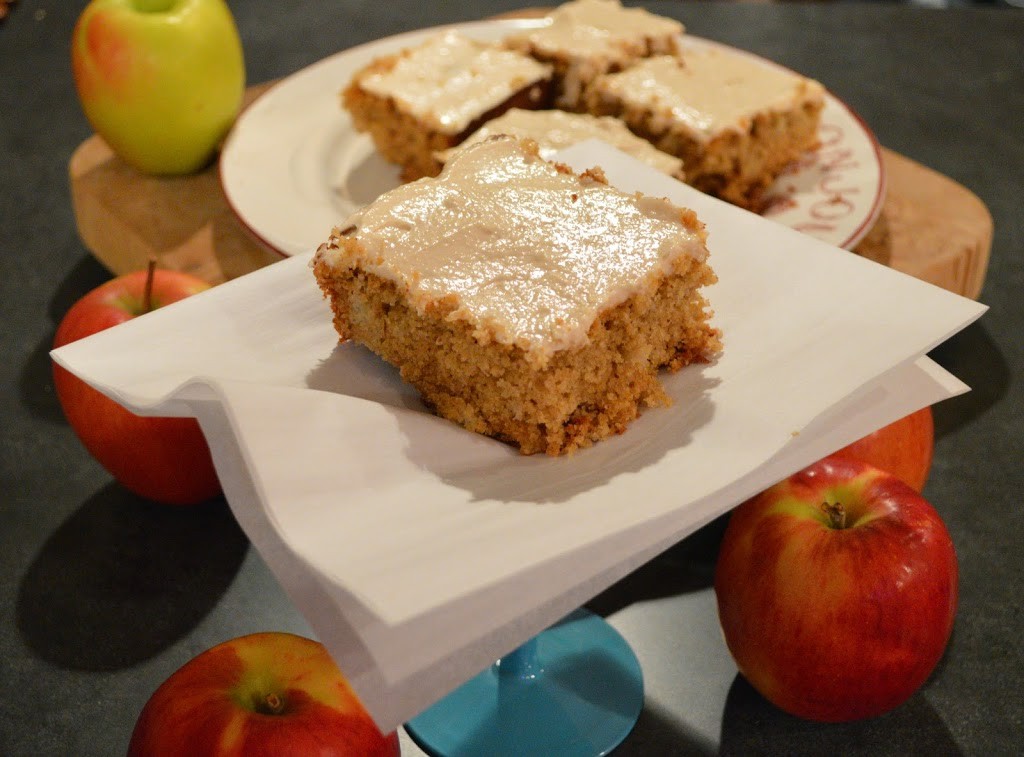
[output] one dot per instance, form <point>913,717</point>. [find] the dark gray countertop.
<point>104,595</point>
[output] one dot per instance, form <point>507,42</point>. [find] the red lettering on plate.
<point>832,197</point>
<point>829,179</point>
<point>830,134</point>
<point>811,228</point>
<point>832,208</point>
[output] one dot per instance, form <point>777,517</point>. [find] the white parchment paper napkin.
<point>420,552</point>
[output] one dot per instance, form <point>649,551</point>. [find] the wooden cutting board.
<point>930,226</point>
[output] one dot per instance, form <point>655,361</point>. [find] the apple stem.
<point>147,292</point>
<point>272,704</point>
<point>836,515</point>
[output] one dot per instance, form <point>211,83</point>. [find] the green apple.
<point>160,80</point>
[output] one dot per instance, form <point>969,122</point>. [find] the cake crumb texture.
<point>429,98</point>
<point>733,121</point>
<point>553,390</point>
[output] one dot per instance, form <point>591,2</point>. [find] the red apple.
<point>837,590</point>
<point>163,459</point>
<point>904,448</point>
<point>263,694</point>
<point>160,80</point>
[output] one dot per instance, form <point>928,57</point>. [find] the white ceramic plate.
<point>293,166</point>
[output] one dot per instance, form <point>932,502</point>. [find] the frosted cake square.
<point>585,38</point>
<point>554,130</point>
<point>524,301</point>
<point>430,97</point>
<point>735,122</point>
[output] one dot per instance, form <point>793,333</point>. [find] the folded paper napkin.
<point>420,552</point>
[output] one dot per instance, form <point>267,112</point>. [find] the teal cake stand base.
<point>575,689</point>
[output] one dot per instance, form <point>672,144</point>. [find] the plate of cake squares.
<point>328,140</point>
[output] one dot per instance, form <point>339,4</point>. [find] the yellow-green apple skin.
<point>161,81</point>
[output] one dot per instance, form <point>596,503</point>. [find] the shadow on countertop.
<point>122,579</point>
<point>686,567</point>
<point>752,726</point>
<point>975,358</point>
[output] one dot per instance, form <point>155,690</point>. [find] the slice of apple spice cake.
<point>522,300</point>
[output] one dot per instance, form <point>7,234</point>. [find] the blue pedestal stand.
<point>575,689</point>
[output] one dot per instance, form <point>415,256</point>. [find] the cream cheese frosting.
<point>528,255</point>
<point>586,28</point>
<point>586,38</point>
<point>554,130</point>
<point>709,91</point>
<point>450,80</point>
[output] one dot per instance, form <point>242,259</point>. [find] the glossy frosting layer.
<point>450,80</point>
<point>526,254</point>
<point>554,130</point>
<point>587,28</point>
<point>710,91</point>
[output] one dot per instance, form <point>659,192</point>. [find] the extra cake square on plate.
<point>430,97</point>
<point>554,130</point>
<point>733,120</point>
<point>524,301</point>
<point>585,38</point>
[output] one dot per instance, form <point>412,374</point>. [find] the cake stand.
<point>575,689</point>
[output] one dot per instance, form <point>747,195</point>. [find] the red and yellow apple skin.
<point>263,694</point>
<point>835,623</point>
<point>904,448</point>
<point>160,80</point>
<point>163,459</point>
